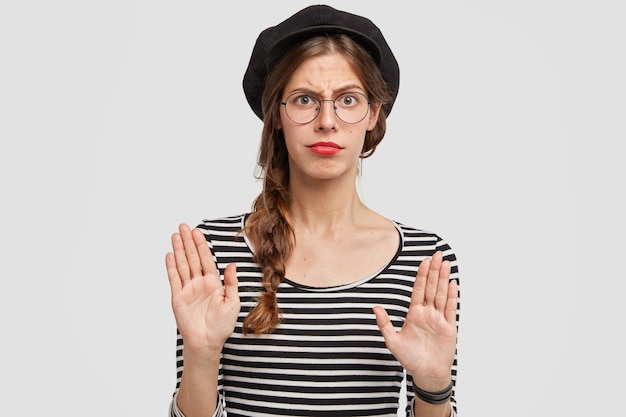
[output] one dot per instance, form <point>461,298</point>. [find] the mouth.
<point>325,148</point>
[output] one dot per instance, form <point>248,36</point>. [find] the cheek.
<point>290,138</point>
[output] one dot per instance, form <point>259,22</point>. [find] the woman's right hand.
<point>205,309</point>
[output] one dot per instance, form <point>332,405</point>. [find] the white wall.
<point>121,119</point>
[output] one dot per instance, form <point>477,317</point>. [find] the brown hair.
<point>270,225</point>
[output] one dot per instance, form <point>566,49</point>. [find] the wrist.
<point>207,357</point>
<point>432,383</point>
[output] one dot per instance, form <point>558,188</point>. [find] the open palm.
<point>205,308</point>
<point>426,344</point>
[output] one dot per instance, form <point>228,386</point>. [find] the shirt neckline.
<point>335,288</point>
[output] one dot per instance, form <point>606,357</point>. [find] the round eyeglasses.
<point>303,108</point>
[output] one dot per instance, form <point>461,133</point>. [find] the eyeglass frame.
<point>321,101</point>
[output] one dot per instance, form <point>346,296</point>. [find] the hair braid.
<point>270,229</point>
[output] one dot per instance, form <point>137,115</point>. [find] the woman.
<point>313,304</point>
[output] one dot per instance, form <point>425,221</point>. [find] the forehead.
<point>325,72</point>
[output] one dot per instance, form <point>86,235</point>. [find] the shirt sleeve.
<point>175,411</point>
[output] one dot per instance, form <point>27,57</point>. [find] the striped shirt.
<point>327,357</point>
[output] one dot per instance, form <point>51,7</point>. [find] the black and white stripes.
<point>327,357</point>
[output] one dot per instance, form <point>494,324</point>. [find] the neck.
<point>326,205</point>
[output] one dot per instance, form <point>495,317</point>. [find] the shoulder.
<point>222,223</point>
<point>417,236</point>
<point>227,241</point>
<point>222,228</point>
<point>424,242</point>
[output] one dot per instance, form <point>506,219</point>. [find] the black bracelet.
<point>439,397</point>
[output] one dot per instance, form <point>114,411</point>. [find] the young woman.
<point>313,304</point>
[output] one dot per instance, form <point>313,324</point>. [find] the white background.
<point>121,119</point>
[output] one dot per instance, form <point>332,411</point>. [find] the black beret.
<point>313,20</point>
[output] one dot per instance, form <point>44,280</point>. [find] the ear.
<point>373,117</point>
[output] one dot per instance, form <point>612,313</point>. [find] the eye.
<point>348,100</point>
<point>304,100</point>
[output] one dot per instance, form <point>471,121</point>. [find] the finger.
<point>384,324</point>
<point>441,296</point>
<point>191,251</point>
<point>433,279</point>
<point>451,303</point>
<point>419,287</point>
<point>181,258</point>
<point>207,264</point>
<point>172,274</point>
<point>231,283</point>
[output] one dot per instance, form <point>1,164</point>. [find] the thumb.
<point>231,283</point>
<point>385,325</point>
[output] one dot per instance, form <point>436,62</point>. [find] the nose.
<point>327,117</point>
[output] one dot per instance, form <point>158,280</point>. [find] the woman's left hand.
<point>426,344</point>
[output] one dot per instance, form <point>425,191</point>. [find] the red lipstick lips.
<point>325,148</point>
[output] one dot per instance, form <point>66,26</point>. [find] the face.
<point>327,147</point>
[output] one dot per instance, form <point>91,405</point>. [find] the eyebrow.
<point>338,91</point>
